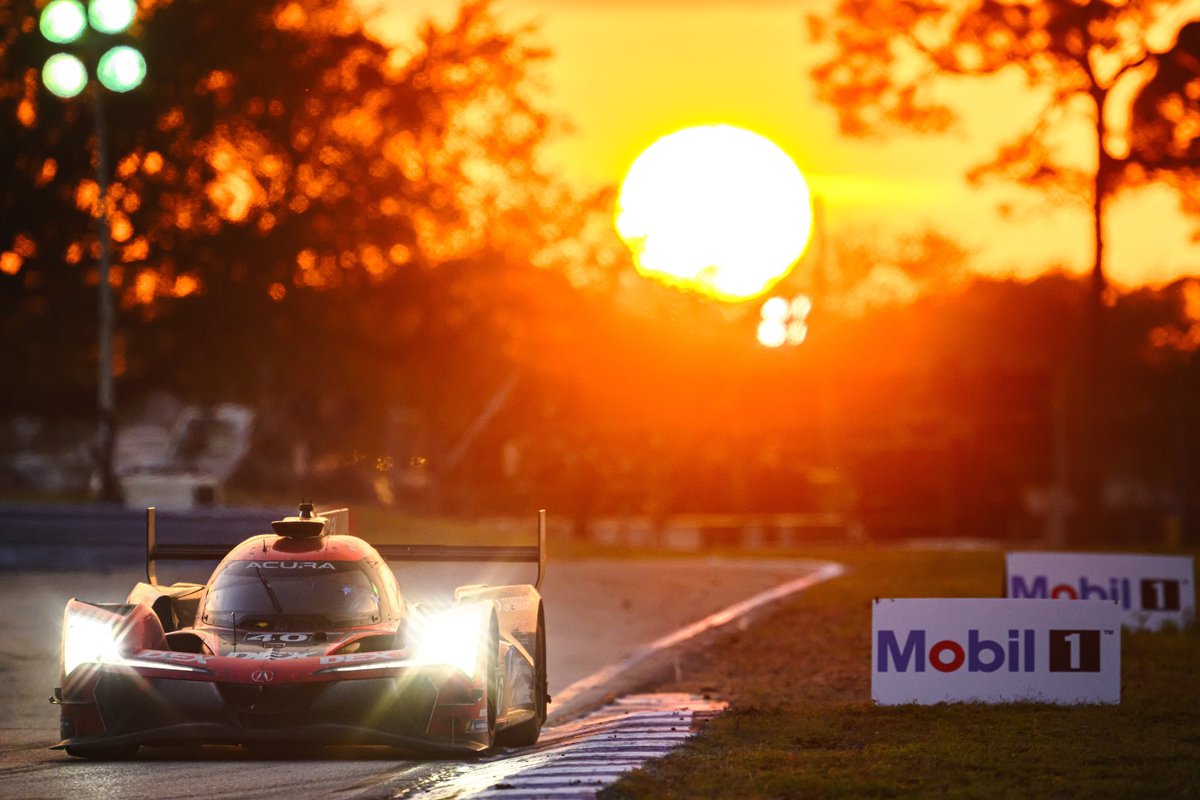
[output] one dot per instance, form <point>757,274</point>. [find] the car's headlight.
<point>87,640</point>
<point>448,636</point>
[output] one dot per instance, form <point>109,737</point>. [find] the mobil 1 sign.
<point>1151,590</point>
<point>992,650</point>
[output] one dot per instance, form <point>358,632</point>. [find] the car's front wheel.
<point>526,733</point>
<point>492,679</point>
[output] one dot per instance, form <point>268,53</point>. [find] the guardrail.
<point>104,536</point>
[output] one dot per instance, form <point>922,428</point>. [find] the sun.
<point>715,209</point>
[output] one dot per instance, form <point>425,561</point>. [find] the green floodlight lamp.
<point>63,21</point>
<point>111,16</point>
<point>121,69</point>
<point>64,75</point>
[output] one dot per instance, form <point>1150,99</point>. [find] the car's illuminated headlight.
<point>448,636</point>
<point>91,640</point>
<point>87,640</point>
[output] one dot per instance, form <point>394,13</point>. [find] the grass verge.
<point>801,722</point>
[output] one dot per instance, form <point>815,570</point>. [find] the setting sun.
<point>714,209</point>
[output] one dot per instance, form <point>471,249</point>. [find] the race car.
<point>303,637</point>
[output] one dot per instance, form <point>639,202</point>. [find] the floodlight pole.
<point>106,434</point>
<point>63,22</point>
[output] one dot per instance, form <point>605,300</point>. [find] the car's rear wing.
<point>338,522</point>
<point>532,554</point>
<point>156,552</point>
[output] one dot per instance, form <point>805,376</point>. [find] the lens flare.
<point>784,322</point>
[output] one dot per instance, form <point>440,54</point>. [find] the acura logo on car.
<point>262,676</point>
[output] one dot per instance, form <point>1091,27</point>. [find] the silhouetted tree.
<point>1165,128</point>
<point>894,59</point>
<point>291,202</point>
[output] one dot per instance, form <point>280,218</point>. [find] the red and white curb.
<point>577,759</point>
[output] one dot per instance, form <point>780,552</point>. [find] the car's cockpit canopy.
<point>270,593</point>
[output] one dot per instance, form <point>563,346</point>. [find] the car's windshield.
<point>338,592</point>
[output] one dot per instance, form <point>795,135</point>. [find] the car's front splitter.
<point>410,710</point>
<point>195,734</point>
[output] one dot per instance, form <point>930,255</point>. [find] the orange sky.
<point>628,72</point>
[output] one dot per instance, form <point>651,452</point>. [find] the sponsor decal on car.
<point>359,658</point>
<point>284,638</point>
<point>508,604</point>
<point>269,655</point>
<point>164,655</point>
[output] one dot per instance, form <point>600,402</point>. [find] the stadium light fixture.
<point>64,75</point>
<point>63,21</point>
<point>121,69</point>
<point>118,67</point>
<point>111,16</point>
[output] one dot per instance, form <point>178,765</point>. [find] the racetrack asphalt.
<point>598,613</point>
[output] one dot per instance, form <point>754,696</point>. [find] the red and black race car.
<point>303,637</point>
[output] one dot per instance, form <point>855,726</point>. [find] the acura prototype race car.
<point>303,637</point>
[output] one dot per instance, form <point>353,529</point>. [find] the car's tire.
<point>527,733</point>
<point>124,753</point>
<point>492,679</point>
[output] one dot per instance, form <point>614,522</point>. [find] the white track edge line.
<point>827,571</point>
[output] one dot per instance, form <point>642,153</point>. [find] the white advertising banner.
<point>993,650</point>
<point>1151,590</point>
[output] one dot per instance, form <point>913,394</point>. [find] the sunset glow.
<point>749,64</point>
<point>715,209</point>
